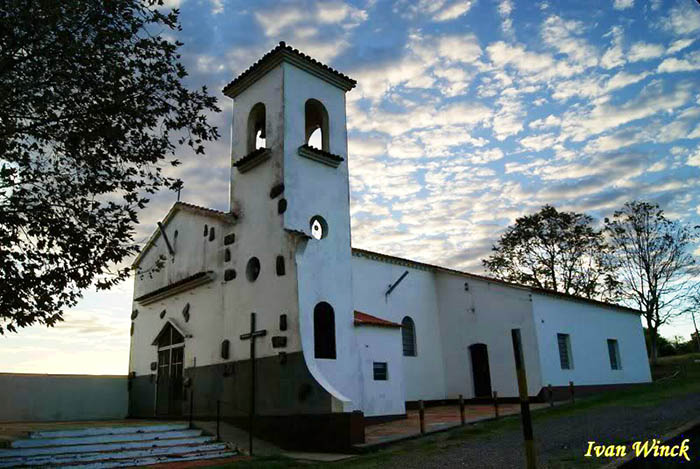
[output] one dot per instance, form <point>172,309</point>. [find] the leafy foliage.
<point>654,262</point>
<point>554,250</point>
<point>92,109</point>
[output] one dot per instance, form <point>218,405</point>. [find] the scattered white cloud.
<point>614,56</point>
<point>435,10</point>
<point>604,115</point>
<point>622,4</point>
<point>505,9</point>
<point>644,51</point>
<point>319,28</point>
<point>694,159</point>
<point>566,37</point>
<point>451,10</point>
<point>539,142</point>
<point>459,48</point>
<point>683,19</point>
<point>217,6</point>
<point>547,122</point>
<point>486,156</point>
<point>688,63</point>
<point>679,45</point>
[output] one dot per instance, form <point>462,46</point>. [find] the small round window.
<point>252,270</point>
<point>319,227</point>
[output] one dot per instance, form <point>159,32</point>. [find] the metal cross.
<point>252,335</point>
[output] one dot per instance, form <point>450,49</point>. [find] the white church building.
<point>344,335</point>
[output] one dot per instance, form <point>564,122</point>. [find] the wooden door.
<point>480,370</point>
<point>170,390</point>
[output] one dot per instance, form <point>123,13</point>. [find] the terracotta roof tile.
<point>206,210</point>
<point>364,319</point>
<point>282,52</point>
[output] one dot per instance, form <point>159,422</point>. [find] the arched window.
<point>408,337</point>
<point>316,130</point>
<point>256,128</point>
<point>324,331</point>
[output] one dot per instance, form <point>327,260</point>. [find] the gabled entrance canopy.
<point>170,334</point>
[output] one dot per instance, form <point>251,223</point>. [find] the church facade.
<point>340,335</point>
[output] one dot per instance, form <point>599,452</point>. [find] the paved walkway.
<point>436,418</point>
<point>561,440</point>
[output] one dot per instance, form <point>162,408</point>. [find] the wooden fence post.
<point>571,391</point>
<point>495,403</point>
<point>525,416</point>
<point>421,416</point>
<point>461,410</point>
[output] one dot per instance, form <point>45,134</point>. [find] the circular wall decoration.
<point>162,314</point>
<point>319,227</point>
<point>252,270</point>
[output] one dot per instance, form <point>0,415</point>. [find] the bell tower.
<point>290,189</point>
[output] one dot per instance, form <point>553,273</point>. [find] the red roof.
<point>364,319</point>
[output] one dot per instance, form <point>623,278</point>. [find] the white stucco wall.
<point>260,230</point>
<point>415,297</point>
<point>589,326</point>
<point>485,313</point>
<point>381,344</point>
<point>193,253</point>
<point>323,266</point>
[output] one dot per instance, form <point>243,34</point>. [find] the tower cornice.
<point>285,53</point>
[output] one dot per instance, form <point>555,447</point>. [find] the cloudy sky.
<point>467,114</point>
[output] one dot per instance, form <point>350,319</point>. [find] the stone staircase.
<point>112,446</point>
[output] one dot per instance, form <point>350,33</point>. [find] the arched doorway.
<point>171,353</point>
<point>480,370</point>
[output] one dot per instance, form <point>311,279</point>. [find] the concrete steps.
<point>104,447</point>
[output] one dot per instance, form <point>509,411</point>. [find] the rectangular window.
<point>380,371</point>
<point>564,351</point>
<point>614,353</point>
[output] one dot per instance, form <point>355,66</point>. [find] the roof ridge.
<point>485,278</point>
<point>200,207</point>
<point>280,51</point>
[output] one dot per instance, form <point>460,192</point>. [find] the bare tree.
<point>692,308</point>
<point>653,262</point>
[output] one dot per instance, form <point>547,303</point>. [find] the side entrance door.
<point>480,370</point>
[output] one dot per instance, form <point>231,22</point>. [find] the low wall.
<point>37,397</point>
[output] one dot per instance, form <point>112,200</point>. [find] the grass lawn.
<point>674,384</point>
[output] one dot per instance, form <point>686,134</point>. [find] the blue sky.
<point>467,114</point>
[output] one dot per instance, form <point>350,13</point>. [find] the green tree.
<point>555,250</point>
<point>92,110</point>
<point>653,263</point>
